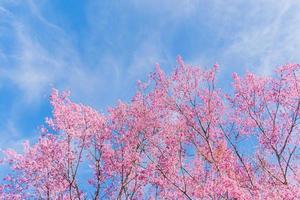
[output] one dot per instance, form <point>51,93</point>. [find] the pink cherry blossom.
<point>180,137</point>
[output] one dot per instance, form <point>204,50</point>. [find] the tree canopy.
<point>180,137</point>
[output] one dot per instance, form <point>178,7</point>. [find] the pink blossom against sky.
<point>98,49</point>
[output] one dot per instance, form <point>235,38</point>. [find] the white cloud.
<point>268,37</point>
<point>149,52</point>
<point>10,137</point>
<point>170,9</point>
<point>265,35</point>
<point>249,35</point>
<point>35,66</point>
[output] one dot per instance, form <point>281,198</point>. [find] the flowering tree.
<point>179,138</point>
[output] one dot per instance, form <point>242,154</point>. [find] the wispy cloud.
<point>168,9</point>
<point>33,67</point>
<point>266,37</point>
<point>260,34</point>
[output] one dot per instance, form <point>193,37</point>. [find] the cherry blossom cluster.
<point>180,137</point>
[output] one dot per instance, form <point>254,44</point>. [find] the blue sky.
<point>98,49</point>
